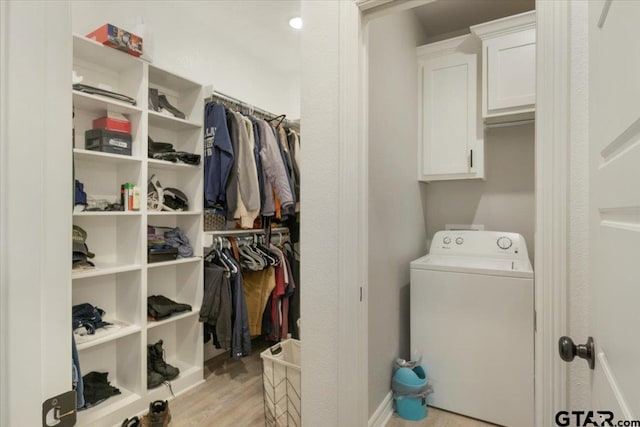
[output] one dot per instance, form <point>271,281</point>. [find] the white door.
<point>614,139</point>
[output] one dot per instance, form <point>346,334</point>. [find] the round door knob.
<point>568,350</point>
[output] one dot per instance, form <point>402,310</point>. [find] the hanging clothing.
<point>286,161</point>
<point>294,149</point>
<point>216,304</point>
<point>257,288</point>
<point>218,155</point>
<point>256,153</point>
<point>240,338</point>
<point>231,188</point>
<point>248,186</point>
<point>273,165</point>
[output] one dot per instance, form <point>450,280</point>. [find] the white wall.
<point>504,202</point>
<point>397,228</point>
<point>319,213</point>
<point>201,40</point>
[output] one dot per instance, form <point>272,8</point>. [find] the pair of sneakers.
<point>158,416</point>
<point>158,370</point>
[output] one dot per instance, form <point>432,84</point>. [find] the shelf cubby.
<point>178,282</point>
<point>114,237</point>
<point>191,225</point>
<point>182,344</point>
<point>121,359</point>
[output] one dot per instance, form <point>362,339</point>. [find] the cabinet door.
<point>511,71</point>
<point>449,111</point>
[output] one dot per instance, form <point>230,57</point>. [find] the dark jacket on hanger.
<point>232,182</point>
<point>218,155</point>
<point>240,338</point>
<point>216,303</point>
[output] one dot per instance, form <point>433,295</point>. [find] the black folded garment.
<point>97,91</point>
<point>160,307</point>
<point>178,156</point>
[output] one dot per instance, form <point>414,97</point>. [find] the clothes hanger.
<point>280,119</point>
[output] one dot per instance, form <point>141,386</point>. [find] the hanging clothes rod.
<point>508,124</point>
<point>223,233</point>
<point>251,109</point>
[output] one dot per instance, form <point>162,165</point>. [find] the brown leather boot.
<point>158,416</point>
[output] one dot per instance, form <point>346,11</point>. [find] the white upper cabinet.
<point>451,140</point>
<point>508,65</point>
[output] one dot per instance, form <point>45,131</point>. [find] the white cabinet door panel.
<point>511,70</point>
<point>451,144</point>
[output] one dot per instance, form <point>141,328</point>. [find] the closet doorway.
<point>460,202</point>
<point>252,90</point>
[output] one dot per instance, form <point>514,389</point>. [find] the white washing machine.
<point>472,318</point>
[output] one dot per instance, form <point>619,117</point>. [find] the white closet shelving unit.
<point>124,279</point>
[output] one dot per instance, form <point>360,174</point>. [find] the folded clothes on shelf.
<point>102,92</point>
<point>87,316</point>
<point>160,307</point>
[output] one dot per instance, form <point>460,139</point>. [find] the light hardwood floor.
<point>232,397</point>
<point>438,418</point>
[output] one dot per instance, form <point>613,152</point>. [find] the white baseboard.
<point>381,417</point>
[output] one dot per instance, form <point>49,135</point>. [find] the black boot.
<point>154,379</point>
<point>158,364</point>
<point>164,103</point>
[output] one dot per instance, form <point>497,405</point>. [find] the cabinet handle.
<point>471,159</point>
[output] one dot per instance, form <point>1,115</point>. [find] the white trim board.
<point>383,414</point>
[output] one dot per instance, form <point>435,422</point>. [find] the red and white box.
<point>110,35</point>
<point>114,122</point>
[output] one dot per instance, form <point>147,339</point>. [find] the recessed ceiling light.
<point>296,23</point>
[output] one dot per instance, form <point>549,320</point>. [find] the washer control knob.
<point>504,242</point>
<point>446,240</point>
<point>459,240</point>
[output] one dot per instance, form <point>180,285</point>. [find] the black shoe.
<point>158,364</point>
<point>154,379</point>
<point>154,102</point>
<point>131,422</point>
<point>173,110</point>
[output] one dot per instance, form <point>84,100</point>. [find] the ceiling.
<point>456,16</point>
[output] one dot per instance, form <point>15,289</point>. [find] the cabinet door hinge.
<point>60,411</point>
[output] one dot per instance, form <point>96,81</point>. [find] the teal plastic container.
<point>409,391</point>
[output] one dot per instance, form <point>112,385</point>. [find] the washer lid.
<point>475,265</point>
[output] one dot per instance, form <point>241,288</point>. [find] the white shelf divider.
<point>104,269</point>
<point>108,337</point>
<point>164,164</point>
<point>99,104</point>
<point>169,213</point>
<point>195,311</point>
<point>172,123</point>
<point>99,156</point>
<point>175,262</point>
<point>107,213</point>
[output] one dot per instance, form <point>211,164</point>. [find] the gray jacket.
<point>273,165</point>
<point>216,303</point>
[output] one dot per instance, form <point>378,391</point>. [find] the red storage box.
<point>115,37</point>
<point>113,122</point>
